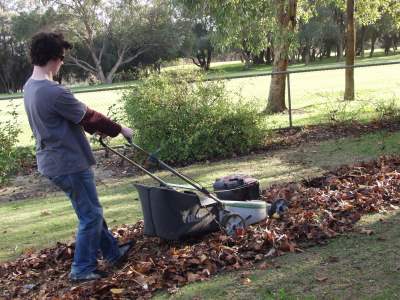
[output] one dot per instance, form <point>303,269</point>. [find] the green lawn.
<point>233,69</point>
<point>353,266</point>
<point>367,266</point>
<point>38,223</point>
<point>315,96</point>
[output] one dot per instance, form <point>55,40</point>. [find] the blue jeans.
<point>93,233</point>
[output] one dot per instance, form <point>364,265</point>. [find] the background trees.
<point>115,38</point>
<point>116,33</point>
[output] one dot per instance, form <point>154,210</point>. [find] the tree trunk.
<point>387,43</point>
<point>395,42</point>
<point>100,75</point>
<point>306,55</point>
<point>373,41</point>
<point>208,62</point>
<point>361,45</point>
<point>286,19</point>
<point>339,21</point>
<point>246,57</point>
<point>268,56</point>
<point>276,99</point>
<point>313,54</point>
<point>339,55</point>
<point>350,51</point>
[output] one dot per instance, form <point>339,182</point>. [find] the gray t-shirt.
<point>54,113</point>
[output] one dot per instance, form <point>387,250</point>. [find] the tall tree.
<point>248,25</point>
<point>350,51</point>
<point>286,23</point>
<point>115,32</point>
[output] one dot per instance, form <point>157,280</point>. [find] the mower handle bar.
<point>164,165</point>
<point>162,182</point>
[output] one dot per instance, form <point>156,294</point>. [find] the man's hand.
<point>127,132</point>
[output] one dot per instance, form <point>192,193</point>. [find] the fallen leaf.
<point>191,277</point>
<point>263,266</point>
<point>245,281</point>
<point>333,259</point>
<point>117,291</point>
<point>366,231</point>
<point>258,257</point>
<point>321,278</point>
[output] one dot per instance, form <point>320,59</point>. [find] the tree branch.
<point>129,59</point>
<point>83,64</point>
<point>197,64</point>
<point>102,49</point>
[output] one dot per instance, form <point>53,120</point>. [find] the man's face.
<point>56,64</point>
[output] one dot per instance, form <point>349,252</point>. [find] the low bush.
<point>127,75</point>
<point>188,119</point>
<point>9,131</point>
<point>387,109</point>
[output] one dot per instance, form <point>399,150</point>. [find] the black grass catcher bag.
<point>175,215</point>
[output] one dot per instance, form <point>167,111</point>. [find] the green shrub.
<point>341,111</point>
<point>127,75</point>
<point>9,132</point>
<point>387,109</point>
<point>189,119</point>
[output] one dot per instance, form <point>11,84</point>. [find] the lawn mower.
<point>175,211</point>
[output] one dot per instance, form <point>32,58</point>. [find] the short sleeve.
<point>69,107</point>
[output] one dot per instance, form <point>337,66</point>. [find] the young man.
<point>63,153</point>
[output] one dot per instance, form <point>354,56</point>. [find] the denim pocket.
<point>62,181</point>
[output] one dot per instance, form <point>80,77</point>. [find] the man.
<point>63,153</point>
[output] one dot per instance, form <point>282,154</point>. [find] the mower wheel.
<point>233,223</point>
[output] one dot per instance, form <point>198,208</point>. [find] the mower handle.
<point>188,180</point>
<point>162,182</point>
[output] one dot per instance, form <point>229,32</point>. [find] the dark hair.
<point>46,46</point>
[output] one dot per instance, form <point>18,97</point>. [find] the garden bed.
<point>30,184</point>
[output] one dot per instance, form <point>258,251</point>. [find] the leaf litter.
<point>319,209</point>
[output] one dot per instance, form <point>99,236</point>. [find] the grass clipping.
<point>319,209</point>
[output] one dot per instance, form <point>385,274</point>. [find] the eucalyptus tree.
<point>350,51</point>
<point>115,32</point>
<point>363,13</point>
<point>247,25</point>
<point>202,47</point>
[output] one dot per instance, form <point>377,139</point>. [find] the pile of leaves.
<point>318,209</point>
<point>286,137</point>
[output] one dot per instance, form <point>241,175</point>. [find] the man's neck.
<point>41,73</point>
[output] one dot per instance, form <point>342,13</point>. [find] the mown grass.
<point>316,96</point>
<point>40,222</point>
<point>229,69</point>
<point>352,266</point>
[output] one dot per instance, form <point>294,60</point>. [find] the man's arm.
<point>94,121</point>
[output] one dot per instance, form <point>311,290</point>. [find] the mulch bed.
<point>282,138</point>
<point>276,139</point>
<point>319,209</point>
<point>115,167</point>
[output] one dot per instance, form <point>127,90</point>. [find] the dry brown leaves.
<point>318,209</point>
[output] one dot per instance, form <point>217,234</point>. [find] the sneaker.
<point>96,274</point>
<point>125,250</point>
